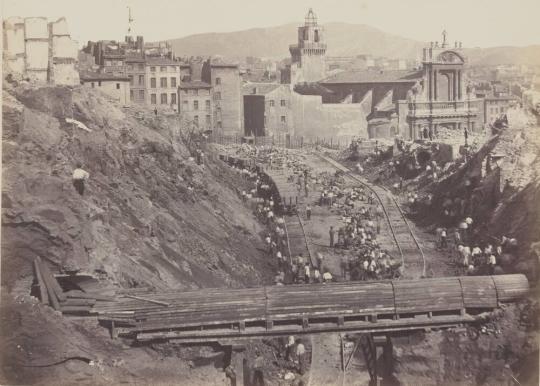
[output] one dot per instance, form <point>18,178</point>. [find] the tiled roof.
<point>155,61</point>
<point>306,88</point>
<point>195,84</point>
<point>259,88</point>
<point>362,76</point>
<point>89,76</point>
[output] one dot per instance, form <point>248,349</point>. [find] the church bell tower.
<point>308,55</point>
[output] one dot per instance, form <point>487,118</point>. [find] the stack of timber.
<point>68,302</point>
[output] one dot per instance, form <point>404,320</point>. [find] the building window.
<point>141,80</point>
<point>173,82</point>
<point>185,106</point>
<point>196,119</point>
<point>163,82</point>
<point>219,124</point>
<point>218,110</point>
<point>99,83</point>
<point>208,119</point>
<point>271,103</point>
<point>265,121</point>
<point>163,69</point>
<point>118,86</point>
<point>141,66</point>
<point>283,103</point>
<point>195,105</point>
<point>207,104</point>
<point>217,96</point>
<point>163,99</point>
<point>130,67</point>
<point>283,119</point>
<point>173,98</point>
<point>131,95</point>
<point>153,99</point>
<point>141,95</point>
<point>93,85</point>
<point>131,80</point>
<point>152,69</point>
<point>152,82</point>
<point>218,81</point>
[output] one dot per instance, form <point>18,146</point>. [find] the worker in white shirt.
<point>79,176</point>
<point>327,277</point>
<point>492,261</point>
<point>316,276</point>
<point>307,273</point>
<point>301,355</point>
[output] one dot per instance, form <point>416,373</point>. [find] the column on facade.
<point>430,84</point>
<point>455,84</point>
<point>435,85</point>
<point>459,84</point>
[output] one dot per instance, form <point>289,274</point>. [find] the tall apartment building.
<point>227,95</point>
<point>162,81</point>
<point>136,72</point>
<point>196,107</point>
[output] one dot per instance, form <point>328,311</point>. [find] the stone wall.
<point>312,118</point>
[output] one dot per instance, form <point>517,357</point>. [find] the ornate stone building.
<point>441,98</point>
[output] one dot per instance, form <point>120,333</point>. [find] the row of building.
<point>309,100</point>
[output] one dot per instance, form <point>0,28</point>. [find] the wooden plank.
<point>148,300</point>
<point>44,297</point>
<point>53,300</point>
<point>51,280</point>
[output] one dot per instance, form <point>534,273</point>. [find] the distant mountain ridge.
<point>343,39</point>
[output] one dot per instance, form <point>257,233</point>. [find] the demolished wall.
<point>40,51</point>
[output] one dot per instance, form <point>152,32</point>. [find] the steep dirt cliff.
<point>150,216</point>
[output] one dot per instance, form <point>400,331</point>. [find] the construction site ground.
<point>152,216</point>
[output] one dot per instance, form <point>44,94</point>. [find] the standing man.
<point>308,212</point>
<point>466,134</point>
<point>301,355</point>
<point>79,176</point>
<point>289,347</point>
<point>332,233</point>
<point>155,111</point>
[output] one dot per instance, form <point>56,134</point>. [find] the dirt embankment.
<point>150,216</point>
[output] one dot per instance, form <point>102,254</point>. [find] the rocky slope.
<point>150,216</point>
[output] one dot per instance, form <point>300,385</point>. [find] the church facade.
<point>416,102</point>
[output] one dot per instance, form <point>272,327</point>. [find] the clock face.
<point>449,57</point>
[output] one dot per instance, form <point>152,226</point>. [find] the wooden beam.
<point>44,297</point>
<point>147,300</point>
<point>53,300</point>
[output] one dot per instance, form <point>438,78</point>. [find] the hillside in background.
<point>343,39</point>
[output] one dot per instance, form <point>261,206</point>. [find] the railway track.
<point>406,245</point>
<point>297,242</point>
<point>328,366</point>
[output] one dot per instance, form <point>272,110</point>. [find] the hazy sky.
<point>482,23</point>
